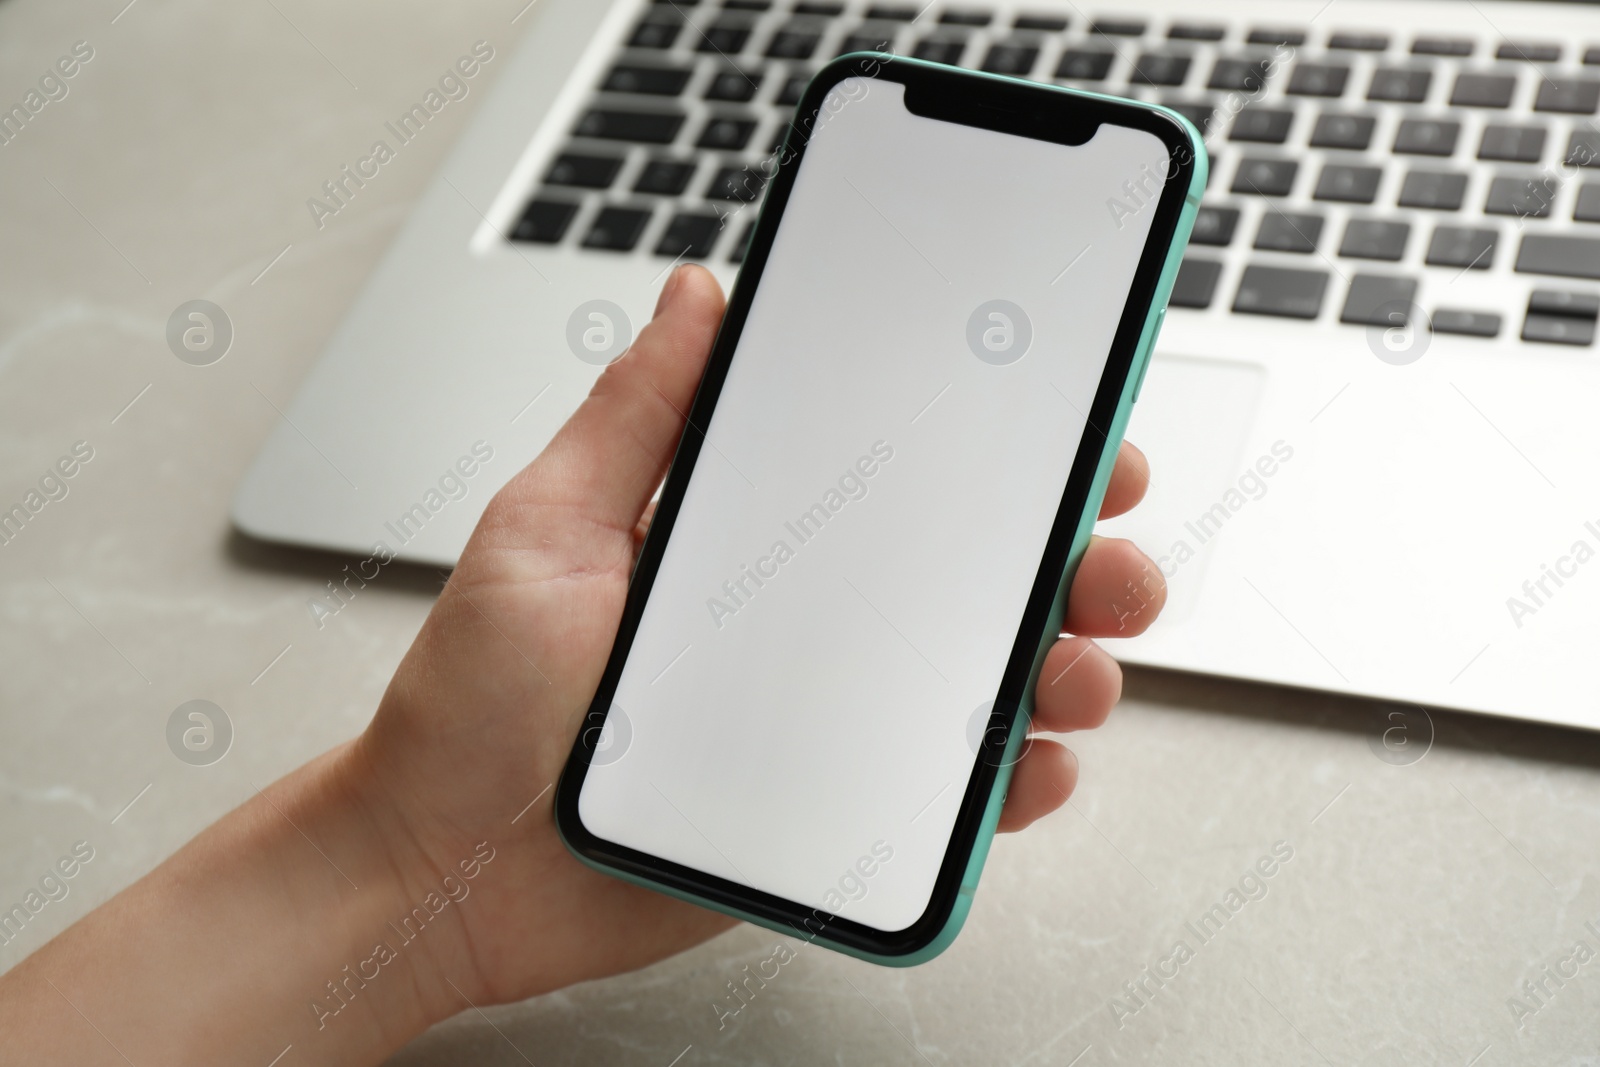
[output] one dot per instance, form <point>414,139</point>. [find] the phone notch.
<point>999,105</point>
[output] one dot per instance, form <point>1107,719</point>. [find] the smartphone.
<point>825,667</point>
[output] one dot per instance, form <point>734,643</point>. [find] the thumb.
<point>608,459</point>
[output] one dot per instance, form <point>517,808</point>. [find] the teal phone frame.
<point>1012,105</point>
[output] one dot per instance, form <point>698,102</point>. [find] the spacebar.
<point>1570,257</point>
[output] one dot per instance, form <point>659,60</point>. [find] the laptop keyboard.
<point>1348,167</point>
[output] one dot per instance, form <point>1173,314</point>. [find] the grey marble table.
<point>1410,903</point>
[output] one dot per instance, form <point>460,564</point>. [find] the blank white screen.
<point>774,740</point>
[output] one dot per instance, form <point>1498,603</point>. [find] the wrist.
<point>409,932</point>
<point>342,875</point>
<point>257,935</point>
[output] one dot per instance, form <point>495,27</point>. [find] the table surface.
<point>1420,897</point>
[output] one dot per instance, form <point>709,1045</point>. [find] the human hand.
<point>483,710</point>
<point>412,873</point>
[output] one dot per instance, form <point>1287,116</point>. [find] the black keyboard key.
<point>727,134</point>
<point>1153,68</point>
<point>735,183</point>
<point>727,37</point>
<point>794,42</point>
<point>1374,239</point>
<point>1461,246</point>
<point>735,85</point>
<point>1353,185</point>
<point>1399,85</point>
<point>1196,31</point>
<point>1522,197</point>
<point>1215,226</point>
<point>636,78</point>
<point>1016,59</point>
<point>1379,300</point>
<point>664,177</point>
<point>647,127</point>
<point>827,10</point>
<point>1440,190</point>
<point>747,5</point>
<point>1568,257</point>
<point>966,18</point>
<point>794,87</point>
<point>689,236</point>
<point>1571,96</point>
<point>1290,38</point>
<point>941,50</point>
<point>1239,75</point>
<point>736,253</point>
<point>1587,208</point>
<point>1558,317</point>
<point>652,33</point>
<point>1466,323</point>
<point>583,171</point>
<point>1263,125</point>
<point>1583,148</point>
<point>1426,137</point>
<point>869,39</point>
<point>1295,294</point>
<point>1046,23</point>
<point>1318,79</point>
<point>1196,284</point>
<point>893,12</point>
<point>1343,131</point>
<point>544,221</point>
<point>1564,302</point>
<point>1529,52</point>
<point>616,229</point>
<point>1282,231</point>
<point>1359,42</point>
<point>1516,144</point>
<point>1557,330</point>
<point>1265,177</point>
<point>1118,27</point>
<point>1441,46</point>
<point>1483,90</point>
<point>1085,66</point>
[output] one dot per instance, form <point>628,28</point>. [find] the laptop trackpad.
<point>1193,420</point>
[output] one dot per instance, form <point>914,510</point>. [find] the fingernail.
<point>669,288</point>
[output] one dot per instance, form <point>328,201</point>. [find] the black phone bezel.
<point>936,91</point>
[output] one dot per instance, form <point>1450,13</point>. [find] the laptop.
<point>1372,413</point>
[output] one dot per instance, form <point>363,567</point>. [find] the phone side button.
<point>1161,318</point>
